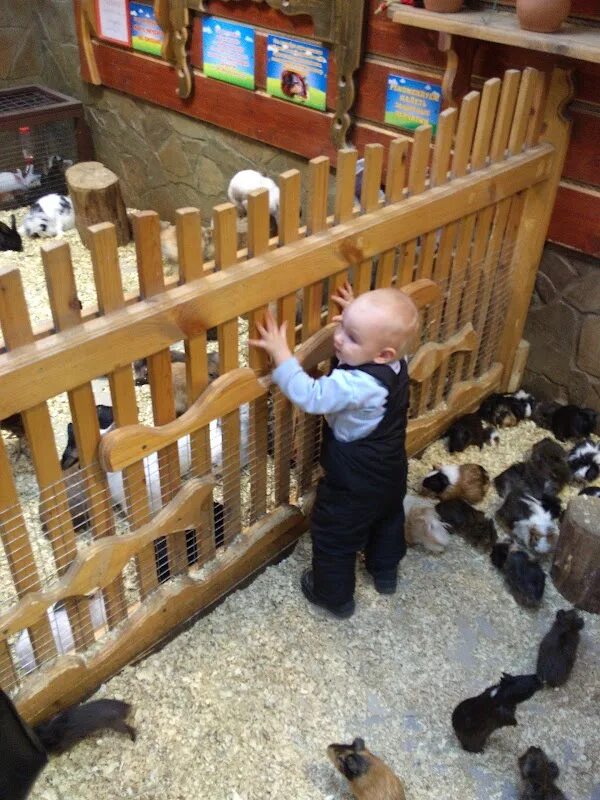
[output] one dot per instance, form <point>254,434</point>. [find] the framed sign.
<point>228,51</point>
<point>297,71</point>
<point>411,103</point>
<point>112,21</point>
<point>146,34</point>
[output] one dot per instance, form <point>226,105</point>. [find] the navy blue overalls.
<point>359,501</point>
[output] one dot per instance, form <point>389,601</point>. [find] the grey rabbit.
<point>558,648</point>
<point>10,238</point>
<point>78,722</point>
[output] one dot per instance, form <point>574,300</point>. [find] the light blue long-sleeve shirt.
<point>352,401</point>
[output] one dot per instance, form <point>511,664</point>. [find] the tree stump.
<point>96,197</point>
<point>576,567</point>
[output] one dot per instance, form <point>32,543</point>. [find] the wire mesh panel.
<point>42,132</point>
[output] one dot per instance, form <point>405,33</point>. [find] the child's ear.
<point>386,355</point>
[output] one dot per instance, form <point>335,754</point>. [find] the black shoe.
<point>308,590</point>
<point>385,584</point>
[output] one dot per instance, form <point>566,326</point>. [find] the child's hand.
<point>273,339</point>
<point>344,296</point>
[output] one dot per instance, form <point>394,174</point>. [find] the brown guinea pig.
<point>370,778</point>
<point>468,482</point>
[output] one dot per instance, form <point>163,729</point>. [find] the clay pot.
<point>444,6</point>
<point>542,16</point>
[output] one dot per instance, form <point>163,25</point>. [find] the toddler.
<point>359,500</point>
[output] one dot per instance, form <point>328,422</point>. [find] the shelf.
<point>573,41</point>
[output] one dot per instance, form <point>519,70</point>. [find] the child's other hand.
<point>343,298</point>
<point>273,339</point>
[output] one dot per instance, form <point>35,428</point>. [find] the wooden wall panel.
<point>583,156</point>
<point>575,218</point>
<point>251,13</point>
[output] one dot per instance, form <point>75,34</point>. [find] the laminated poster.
<point>228,51</point>
<point>112,21</point>
<point>146,33</point>
<point>411,103</point>
<point>297,71</point>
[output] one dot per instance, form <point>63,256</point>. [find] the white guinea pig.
<point>49,216</point>
<point>249,180</point>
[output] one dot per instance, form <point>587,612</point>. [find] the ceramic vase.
<point>542,16</point>
<point>444,6</point>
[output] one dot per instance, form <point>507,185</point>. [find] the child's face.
<point>357,339</point>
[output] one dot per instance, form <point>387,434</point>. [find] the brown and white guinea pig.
<point>468,482</point>
<point>370,778</point>
<point>423,525</point>
<point>170,249</point>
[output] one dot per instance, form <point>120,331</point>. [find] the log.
<point>576,567</point>
<point>96,197</point>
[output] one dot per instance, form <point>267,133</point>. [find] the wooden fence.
<point>463,223</point>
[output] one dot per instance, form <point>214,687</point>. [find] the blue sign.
<point>411,103</point>
<point>146,34</point>
<point>297,71</point>
<point>228,51</point>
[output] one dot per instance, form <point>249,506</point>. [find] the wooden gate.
<point>182,512</point>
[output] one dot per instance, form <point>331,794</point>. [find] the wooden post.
<point>96,197</point>
<point>576,567</point>
<point>535,220</point>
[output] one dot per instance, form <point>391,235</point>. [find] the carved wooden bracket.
<point>338,23</point>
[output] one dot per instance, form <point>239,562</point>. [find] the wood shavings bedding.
<point>243,704</point>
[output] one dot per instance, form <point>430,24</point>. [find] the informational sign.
<point>146,33</point>
<point>411,103</point>
<point>112,21</point>
<point>228,51</point>
<point>297,71</point>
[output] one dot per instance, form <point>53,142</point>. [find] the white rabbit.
<point>61,631</point>
<point>249,180</point>
<point>49,216</point>
<point>18,181</point>
<point>151,466</point>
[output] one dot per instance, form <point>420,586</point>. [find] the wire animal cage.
<point>42,132</point>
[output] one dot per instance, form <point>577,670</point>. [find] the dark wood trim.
<point>575,218</point>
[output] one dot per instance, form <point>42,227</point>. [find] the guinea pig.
<point>423,526</point>
<point>475,718</point>
<point>70,455</point>
<point>531,520</point>
<point>591,491</point>
<point>538,774</point>
<point>507,410</point>
<point>468,482</point>
<point>10,238</point>
<point>584,460</point>
<point>550,460</point>
<point>370,778</point>
<point>51,215</point>
<point>558,648</point>
<point>469,430</point>
<point>573,422</point>
<point>468,522</point>
<point>78,722</point>
<point>524,577</point>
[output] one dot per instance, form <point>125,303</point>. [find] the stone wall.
<point>563,327</point>
<point>21,58</point>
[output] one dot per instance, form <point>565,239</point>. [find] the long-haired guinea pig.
<point>550,459</point>
<point>423,526</point>
<point>558,648</point>
<point>468,522</point>
<point>523,575</point>
<point>538,774</point>
<point>469,430</point>
<point>531,520</point>
<point>584,460</point>
<point>566,422</point>
<point>370,778</point>
<point>507,410</point>
<point>468,482</point>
